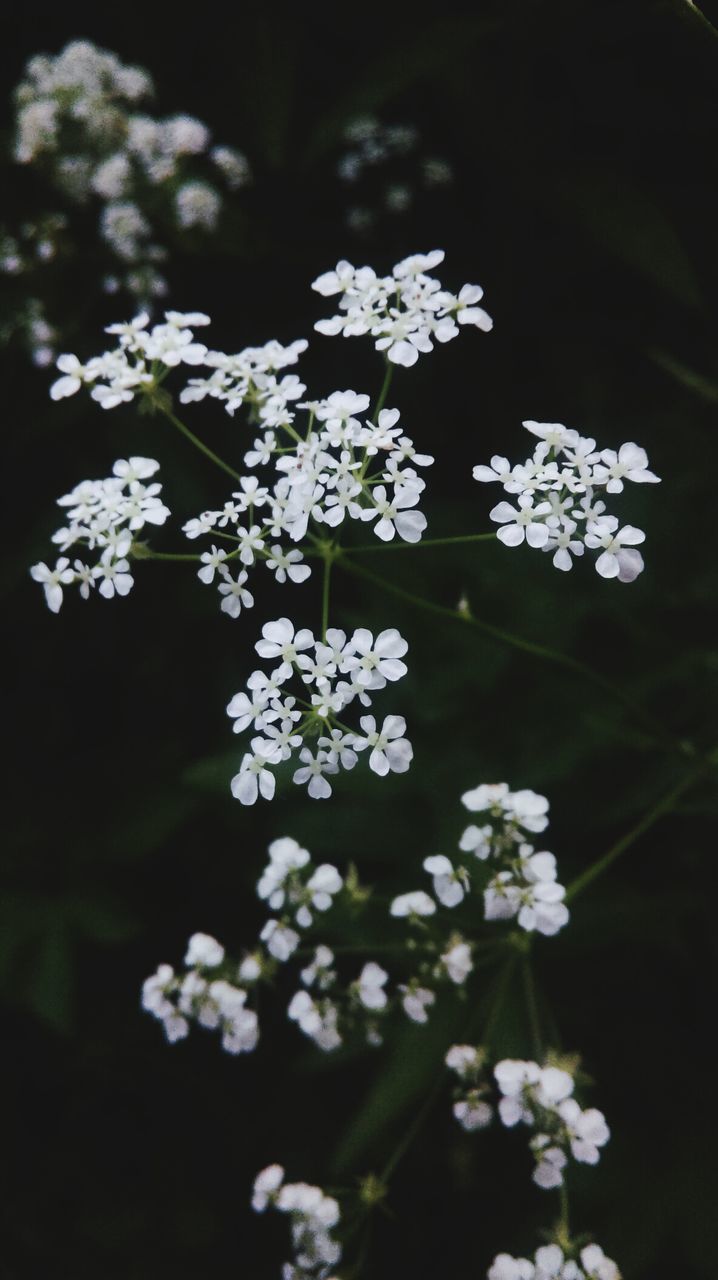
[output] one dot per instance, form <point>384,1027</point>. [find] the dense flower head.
<point>103,518</point>
<point>551,1263</point>
<point>313,1216</point>
<point>541,1097</point>
<point>328,676</point>
<point>405,313</point>
<point>558,504</point>
<point>516,881</point>
<point>81,118</point>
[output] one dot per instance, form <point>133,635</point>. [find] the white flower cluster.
<point>313,1216</point>
<point>541,1097</point>
<point>523,885</point>
<point>327,1008</point>
<point>329,675</point>
<point>405,312</point>
<point>127,370</point>
<point>559,507</point>
<point>386,169</point>
<point>77,118</point>
<point>204,996</point>
<point>471,1106</point>
<point>550,1263</point>
<point>103,516</point>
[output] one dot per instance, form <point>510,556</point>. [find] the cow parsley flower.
<point>103,517</point>
<point>541,1097</point>
<point>558,499</point>
<point>405,313</point>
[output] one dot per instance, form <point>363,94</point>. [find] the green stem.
<point>664,805</point>
<point>384,391</point>
<point>425,542</point>
<point>515,642</point>
<point>563,1230</point>
<point>503,983</point>
<point>326,578</point>
<point>414,1128</point>
<point>171,417</point>
<point>532,1006</point>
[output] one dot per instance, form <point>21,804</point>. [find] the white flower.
<point>323,884</point>
<point>596,1265</point>
<point>416,903</point>
<point>254,777</point>
<point>375,661</point>
<point>53,580</point>
<point>266,1186</point>
<point>553,433</point>
<point>548,1173</point>
<point>587,1130</point>
<point>394,517</point>
<point>449,884</point>
<point>390,750</point>
<point>464,1059</point>
<point>618,559</point>
<point>279,641</point>
<point>476,840</point>
<point>313,773</point>
<point>472,1113</point>
<point>457,962</point>
<point>234,592</point>
<point>288,565</point>
<point>504,1267</point>
<point>205,951</point>
<point>525,523</point>
<point>211,560</point>
<point>415,1002</point>
<point>114,576</point>
<point>370,986</point>
<point>281,941</point>
<point>631,463</point>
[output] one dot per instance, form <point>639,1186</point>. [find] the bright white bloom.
<point>449,885</point>
<point>204,950</point>
<point>405,312</point>
<point>416,903</point>
<point>234,593</point>
<point>53,580</point>
<point>550,1263</point>
<point>416,1000</point>
<point>390,750</point>
<point>281,941</point>
<point>542,1098</point>
<point>457,962</point>
<point>370,986</point>
<point>558,508</point>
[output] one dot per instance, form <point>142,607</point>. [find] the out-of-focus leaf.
<point>704,388</point>
<point>627,221</point>
<point>50,989</point>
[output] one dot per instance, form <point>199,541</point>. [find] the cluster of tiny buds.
<point>552,1263</point>
<point>77,118</point>
<point>386,167</point>
<point>534,1095</point>
<point>313,1217</point>
<point>559,507</point>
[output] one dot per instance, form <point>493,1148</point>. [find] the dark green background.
<point>583,139</point>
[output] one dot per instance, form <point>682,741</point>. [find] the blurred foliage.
<point>585,200</point>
